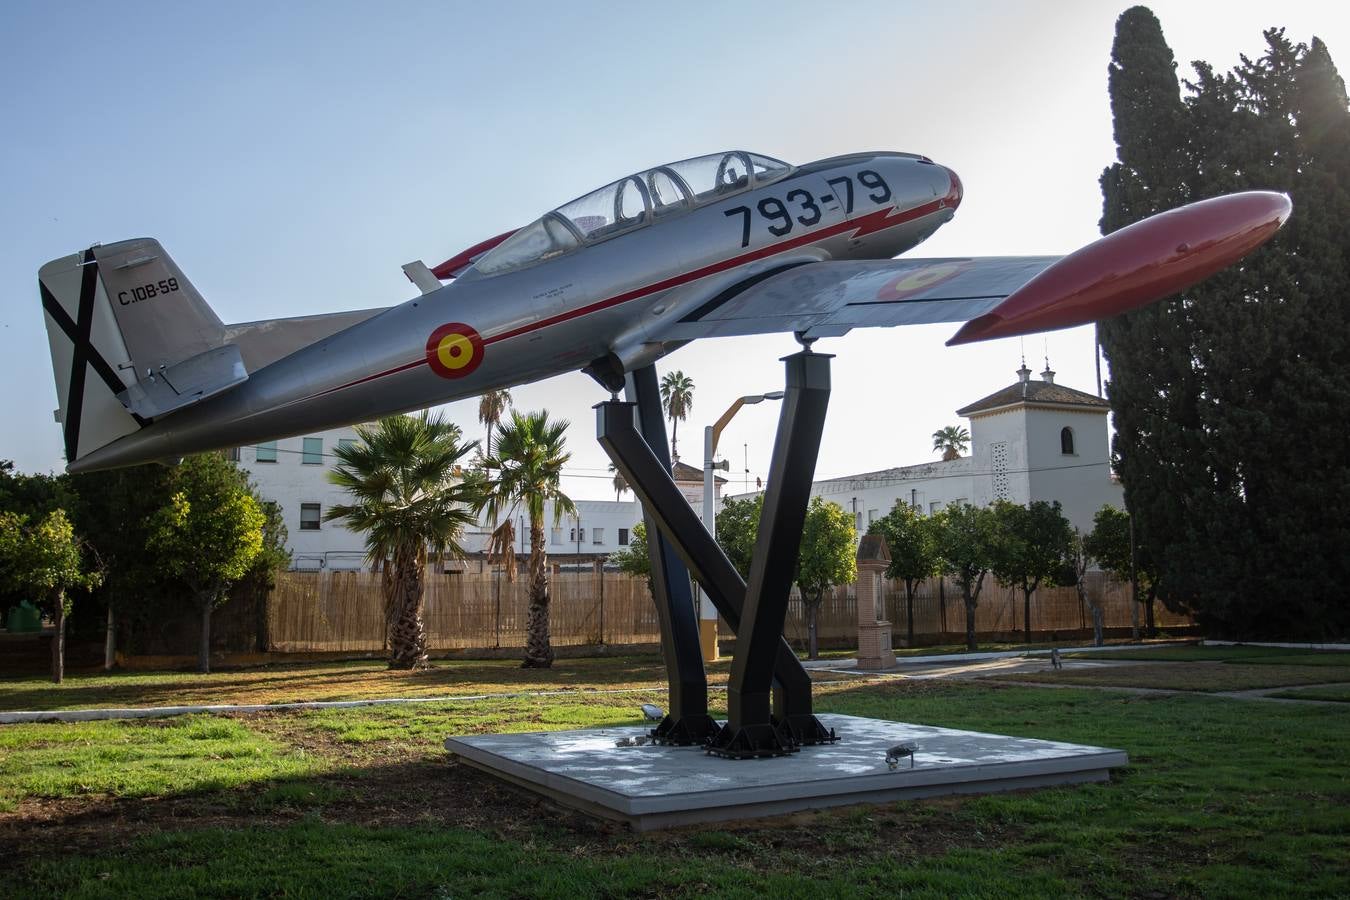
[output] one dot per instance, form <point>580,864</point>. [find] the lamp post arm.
<point>722,423</point>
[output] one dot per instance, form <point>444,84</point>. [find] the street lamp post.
<point>707,620</point>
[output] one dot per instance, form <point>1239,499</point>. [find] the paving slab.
<point>651,787</point>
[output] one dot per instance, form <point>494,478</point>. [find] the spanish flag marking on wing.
<point>915,282</point>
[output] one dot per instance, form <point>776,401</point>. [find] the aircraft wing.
<point>1000,296</point>
<point>827,299</point>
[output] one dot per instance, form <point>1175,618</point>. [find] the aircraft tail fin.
<point>131,339</point>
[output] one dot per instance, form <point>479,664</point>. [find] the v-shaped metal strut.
<point>770,710</point>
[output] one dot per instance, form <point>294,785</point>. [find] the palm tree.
<point>677,396</point>
<point>620,483</point>
<point>408,496</point>
<point>525,473</point>
<point>952,441</point>
<point>491,407</point>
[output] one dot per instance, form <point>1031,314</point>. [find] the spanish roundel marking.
<point>454,350</point>
<point>912,283</point>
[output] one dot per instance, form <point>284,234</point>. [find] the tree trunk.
<point>970,617</point>
<point>204,645</point>
<point>942,602</point>
<point>1026,612</point>
<point>110,641</point>
<point>1097,616</point>
<point>909,614</point>
<point>812,638</point>
<point>1134,610</point>
<point>407,633</point>
<point>1151,626</point>
<point>538,650</point>
<point>59,640</point>
<point>674,431</point>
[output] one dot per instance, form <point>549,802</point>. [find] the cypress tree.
<point>1230,414</point>
<point>1153,389</point>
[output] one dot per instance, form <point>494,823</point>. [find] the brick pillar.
<point>874,632</point>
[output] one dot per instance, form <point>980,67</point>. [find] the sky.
<point>293,156</point>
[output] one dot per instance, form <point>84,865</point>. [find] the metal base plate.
<point>652,786</point>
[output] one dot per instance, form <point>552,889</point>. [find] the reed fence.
<point>343,611</point>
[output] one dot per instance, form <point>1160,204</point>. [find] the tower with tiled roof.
<point>1040,440</point>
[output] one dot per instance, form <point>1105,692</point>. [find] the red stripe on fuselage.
<point>871,223</point>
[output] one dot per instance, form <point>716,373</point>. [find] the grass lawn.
<point>363,679</point>
<point>1221,798</point>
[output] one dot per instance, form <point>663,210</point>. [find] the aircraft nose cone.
<point>955,192</point>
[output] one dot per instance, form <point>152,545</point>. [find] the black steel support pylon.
<point>672,524</point>
<point>751,729</point>
<point>688,721</point>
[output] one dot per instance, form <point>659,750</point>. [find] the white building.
<point>597,529</point>
<point>1032,440</point>
<point>293,473</point>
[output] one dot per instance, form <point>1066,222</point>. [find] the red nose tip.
<point>955,192</point>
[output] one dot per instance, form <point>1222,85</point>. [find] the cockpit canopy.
<point>631,203</point>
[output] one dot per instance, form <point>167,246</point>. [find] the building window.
<point>346,443</point>
<point>1066,441</point>
<point>309,517</point>
<point>934,507</point>
<point>576,536</point>
<point>556,536</point>
<point>623,537</point>
<point>267,452</point>
<point>871,516</point>
<point>313,452</point>
<point>597,535</point>
<point>232,454</point>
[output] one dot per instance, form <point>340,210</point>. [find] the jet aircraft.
<point>727,244</point>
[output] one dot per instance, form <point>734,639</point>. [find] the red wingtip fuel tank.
<point>1151,259</point>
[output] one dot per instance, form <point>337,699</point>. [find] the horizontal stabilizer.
<point>191,380</point>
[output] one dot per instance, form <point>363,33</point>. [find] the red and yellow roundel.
<point>912,283</point>
<point>454,350</point>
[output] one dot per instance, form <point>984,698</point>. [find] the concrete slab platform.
<point>651,787</point>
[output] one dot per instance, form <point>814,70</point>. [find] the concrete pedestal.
<point>874,646</point>
<point>707,639</point>
<point>651,787</point>
<point>874,631</point>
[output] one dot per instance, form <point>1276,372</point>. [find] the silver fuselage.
<point>558,315</point>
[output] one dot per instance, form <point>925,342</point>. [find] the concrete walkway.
<point>980,656</point>
<point>989,667</point>
<point>1255,694</point>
